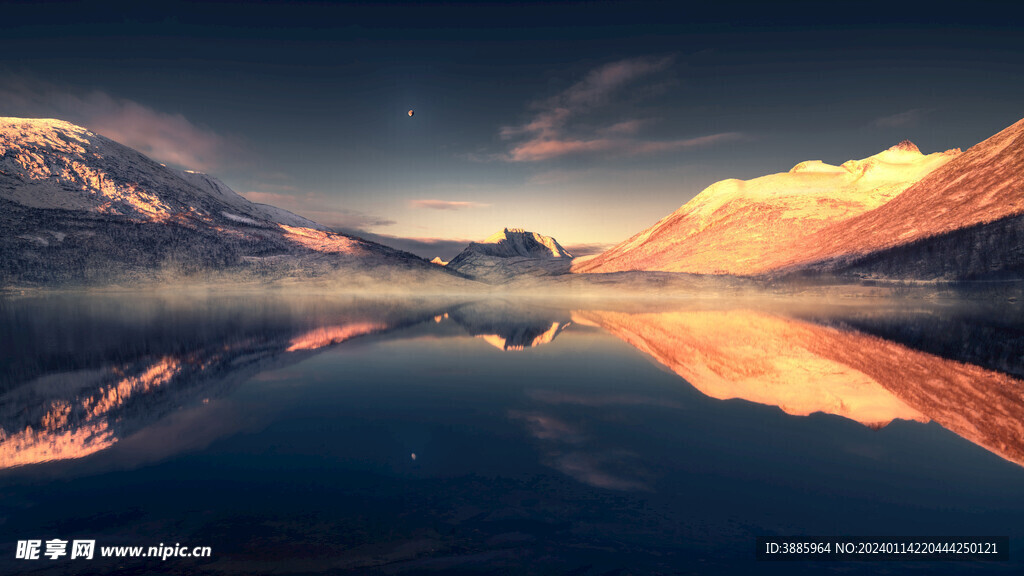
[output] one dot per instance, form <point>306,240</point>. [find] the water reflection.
<point>279,430</point>
<point>756,357</point>
<point>91,382</point>
<point>80,375</point>
<point>803,367</point>
<point>510,326</point>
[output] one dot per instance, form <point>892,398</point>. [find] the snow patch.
<point>237,218</point>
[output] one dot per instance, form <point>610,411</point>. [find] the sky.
<point>585,121</point>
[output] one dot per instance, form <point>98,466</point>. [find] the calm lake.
<point>327,435</point>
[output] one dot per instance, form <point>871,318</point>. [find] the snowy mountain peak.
<point>512,242</point>
<point>503,235</point>
<point>906,146</point>
<point>12,124</point>
<point>42,133</point>
<point>743,226</point>
<point>103,212</point>
<point>53,164</point>
<point>510,253</point>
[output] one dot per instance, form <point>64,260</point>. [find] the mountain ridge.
<point>80,208</point>
<point>737,227</point>
<point>512,252</point>
<point>982,186</point>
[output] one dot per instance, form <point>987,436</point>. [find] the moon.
<point>410,113</point>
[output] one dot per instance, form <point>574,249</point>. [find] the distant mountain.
<point>515,242</point>
<point>511,253</point>
<point>751,227</point>
<point>79,208</point>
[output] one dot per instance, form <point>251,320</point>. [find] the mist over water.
<point>584,436</point>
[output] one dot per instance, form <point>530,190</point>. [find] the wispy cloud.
<point>599,84</point>
<point>600,470</point>
<point>546,427</point>
<point>567,449</point>
<point>578,250</point>
<point>911,117</point>
<point>545,149</point>
<point>167,137</point>
<point>628,127</point>
<point>433,204</point>
<point>427,248</point>
<point>553,130</point>
<point>318,208</point>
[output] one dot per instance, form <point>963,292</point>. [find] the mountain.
<point>964,220</point>
<point>896,215</point>
<point>512,253</point>
<point>750,227</point>
<point>515,242</point>
<point>79,208</point>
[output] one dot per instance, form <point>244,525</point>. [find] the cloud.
<point>165,137</point>
<point>553,132</point>
<point>567,449</point>
<point>317,208</point>
<point>908,118</point>
<point>545,427</point>
<point>545,149</point>
<point>599,84</point>
<point>593,469</point>
<point>627,127</point>
<point>578,250</point>
<point>446,248</point>
<point>445,204</point>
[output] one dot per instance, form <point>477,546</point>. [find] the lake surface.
<point>326,435</point>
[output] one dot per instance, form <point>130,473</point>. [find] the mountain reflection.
<point>96,408</point>
<point>69,407</point>
<point>331,335</point>
<point>804,367</point>
<point>509,326</point>
<point>81,375</point>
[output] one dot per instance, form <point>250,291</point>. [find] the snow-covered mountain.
<point>896,215</point>
<point>749,227</point>
<point>964,220</point>
<point>515,242</point>
<point>510,253</point>
<point>79,208</point>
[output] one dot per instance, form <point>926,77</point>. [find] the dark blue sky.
<point>587,121</point>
